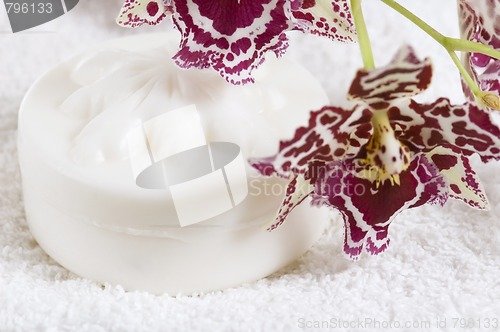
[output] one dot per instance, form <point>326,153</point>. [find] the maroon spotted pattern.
<point>480,22</point>
<point>489,79</point>
<point>152,8</point>
<point>330,153</point>
<point>233,36</point>
<point>336,23</point>
<point>326,138</point>
<point>296,192</point>
<point>463,181</point>
<point>231,39</point>
<point>135,13</point>
<point>368,211</point>
<point>404,77</point>
<point>464,127</point>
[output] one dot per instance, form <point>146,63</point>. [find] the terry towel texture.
<point>443,263</point>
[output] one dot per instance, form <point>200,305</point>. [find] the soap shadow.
<point>321,260</point>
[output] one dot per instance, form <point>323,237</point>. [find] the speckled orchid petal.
<point>135,13</point>
<point>330,19</point>
<point>489,80</point>
<point>330,133</point>
<point>404,77</point>
<point>465,127</point>
<point>296,192</point>
<point>463,182</point>
<point>480,22</point>
<point>231,36</point>
<point>467,20</point>
<point>368,211</point>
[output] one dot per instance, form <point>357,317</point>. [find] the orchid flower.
<point>386,155</point>
<point>480,22</point>
<point>233,36</point>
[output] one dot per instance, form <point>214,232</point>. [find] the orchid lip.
<point>386,156</point>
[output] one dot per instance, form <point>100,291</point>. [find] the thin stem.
<point>467,78</point>
<point>450,44</point>
<point>363,37</point>
<point>437,36</point>
<point>470,46</point>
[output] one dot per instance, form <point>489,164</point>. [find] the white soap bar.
<point>100,148</point>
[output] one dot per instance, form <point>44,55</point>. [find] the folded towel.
<point>440,272</point>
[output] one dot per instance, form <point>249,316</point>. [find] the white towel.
<point>441,271</point>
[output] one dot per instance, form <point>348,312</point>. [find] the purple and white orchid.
<point>480,22</point>
<point>233,36</point>
<point>385,155</point>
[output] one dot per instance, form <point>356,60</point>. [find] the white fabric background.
<point>443,263</point>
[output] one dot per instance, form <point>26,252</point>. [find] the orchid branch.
<point>469,46</point>
<point>466,76</point>
<point>452,45</point>
<point>363,37</point>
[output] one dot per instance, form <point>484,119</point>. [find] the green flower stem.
<point>470,46</point>
<point>437,36</point>
<point>466,76</point>
<point>454,44</point>
<point>450,44</point>
<point>363,37</point>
